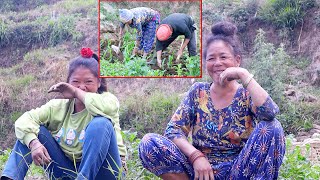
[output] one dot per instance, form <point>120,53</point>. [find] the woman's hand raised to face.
<point>233,73</point>
<point>202,169</point>
<point>67,90</point>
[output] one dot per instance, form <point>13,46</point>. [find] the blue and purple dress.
<point>145,20</point>
<point>241,141</point>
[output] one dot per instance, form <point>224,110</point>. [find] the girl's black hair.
<point>92,65</point>
<point>226,32</point>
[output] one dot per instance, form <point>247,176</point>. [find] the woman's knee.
<point>274,127</point>
<point>148,142</point>
<point>150,137</point>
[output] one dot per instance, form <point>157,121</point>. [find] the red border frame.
<point>151,76</point>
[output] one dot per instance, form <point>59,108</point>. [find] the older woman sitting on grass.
<point>234,131</point>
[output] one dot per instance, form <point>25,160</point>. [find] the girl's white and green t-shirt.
<point>67,128</point>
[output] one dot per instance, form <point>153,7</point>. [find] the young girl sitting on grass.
<point>76,137</point>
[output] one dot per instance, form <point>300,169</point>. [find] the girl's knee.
<point>100,123</point>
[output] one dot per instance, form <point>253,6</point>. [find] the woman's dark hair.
<point>226,32</point>
<point>92,65</point>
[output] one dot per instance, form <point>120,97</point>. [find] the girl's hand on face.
<point>233,73</point>
<point>202,169</point>
<point>67,90</point>
<point>39,153</point>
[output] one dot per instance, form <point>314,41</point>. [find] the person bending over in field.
<point>170,28</point>
<point>145,20</point>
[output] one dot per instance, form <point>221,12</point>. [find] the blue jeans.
<point>100,151</point>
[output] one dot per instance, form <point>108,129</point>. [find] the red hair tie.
<point>86,52</point>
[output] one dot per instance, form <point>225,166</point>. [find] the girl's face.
<point>220,57</point>
<point>83,79</point>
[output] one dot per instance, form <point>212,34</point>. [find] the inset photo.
<point>150,39</point>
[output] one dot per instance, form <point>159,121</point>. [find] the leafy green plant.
<point>124,64</point>
<point>170,59</point>
<point>193,66</point>
<point>179,70</point>
<point>296,165</point>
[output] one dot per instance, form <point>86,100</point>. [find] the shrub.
<point>150,114</point>
<point>242,13</point>
<point>270,67</point>
<point>3,30</point>
<point>284,13</point>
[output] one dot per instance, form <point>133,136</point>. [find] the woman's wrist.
<point>195,155</point>
<point>247,81</point>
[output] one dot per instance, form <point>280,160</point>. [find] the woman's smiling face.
<point>220,56</point>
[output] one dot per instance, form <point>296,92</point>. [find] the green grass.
<point>156,108</point>
<point>295,166</point>
<point>47,28</point>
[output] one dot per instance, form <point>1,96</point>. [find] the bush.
<point>270,67</point>
<point>149,115</point>
<point>45,31</point>
<point>242,13</point>
<point>284,13</point>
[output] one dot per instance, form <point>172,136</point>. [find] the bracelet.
<point>195,155</point>
<point>247,81</point>
<point>32,142</point>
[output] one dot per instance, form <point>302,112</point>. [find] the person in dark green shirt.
<point>170,28</point>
